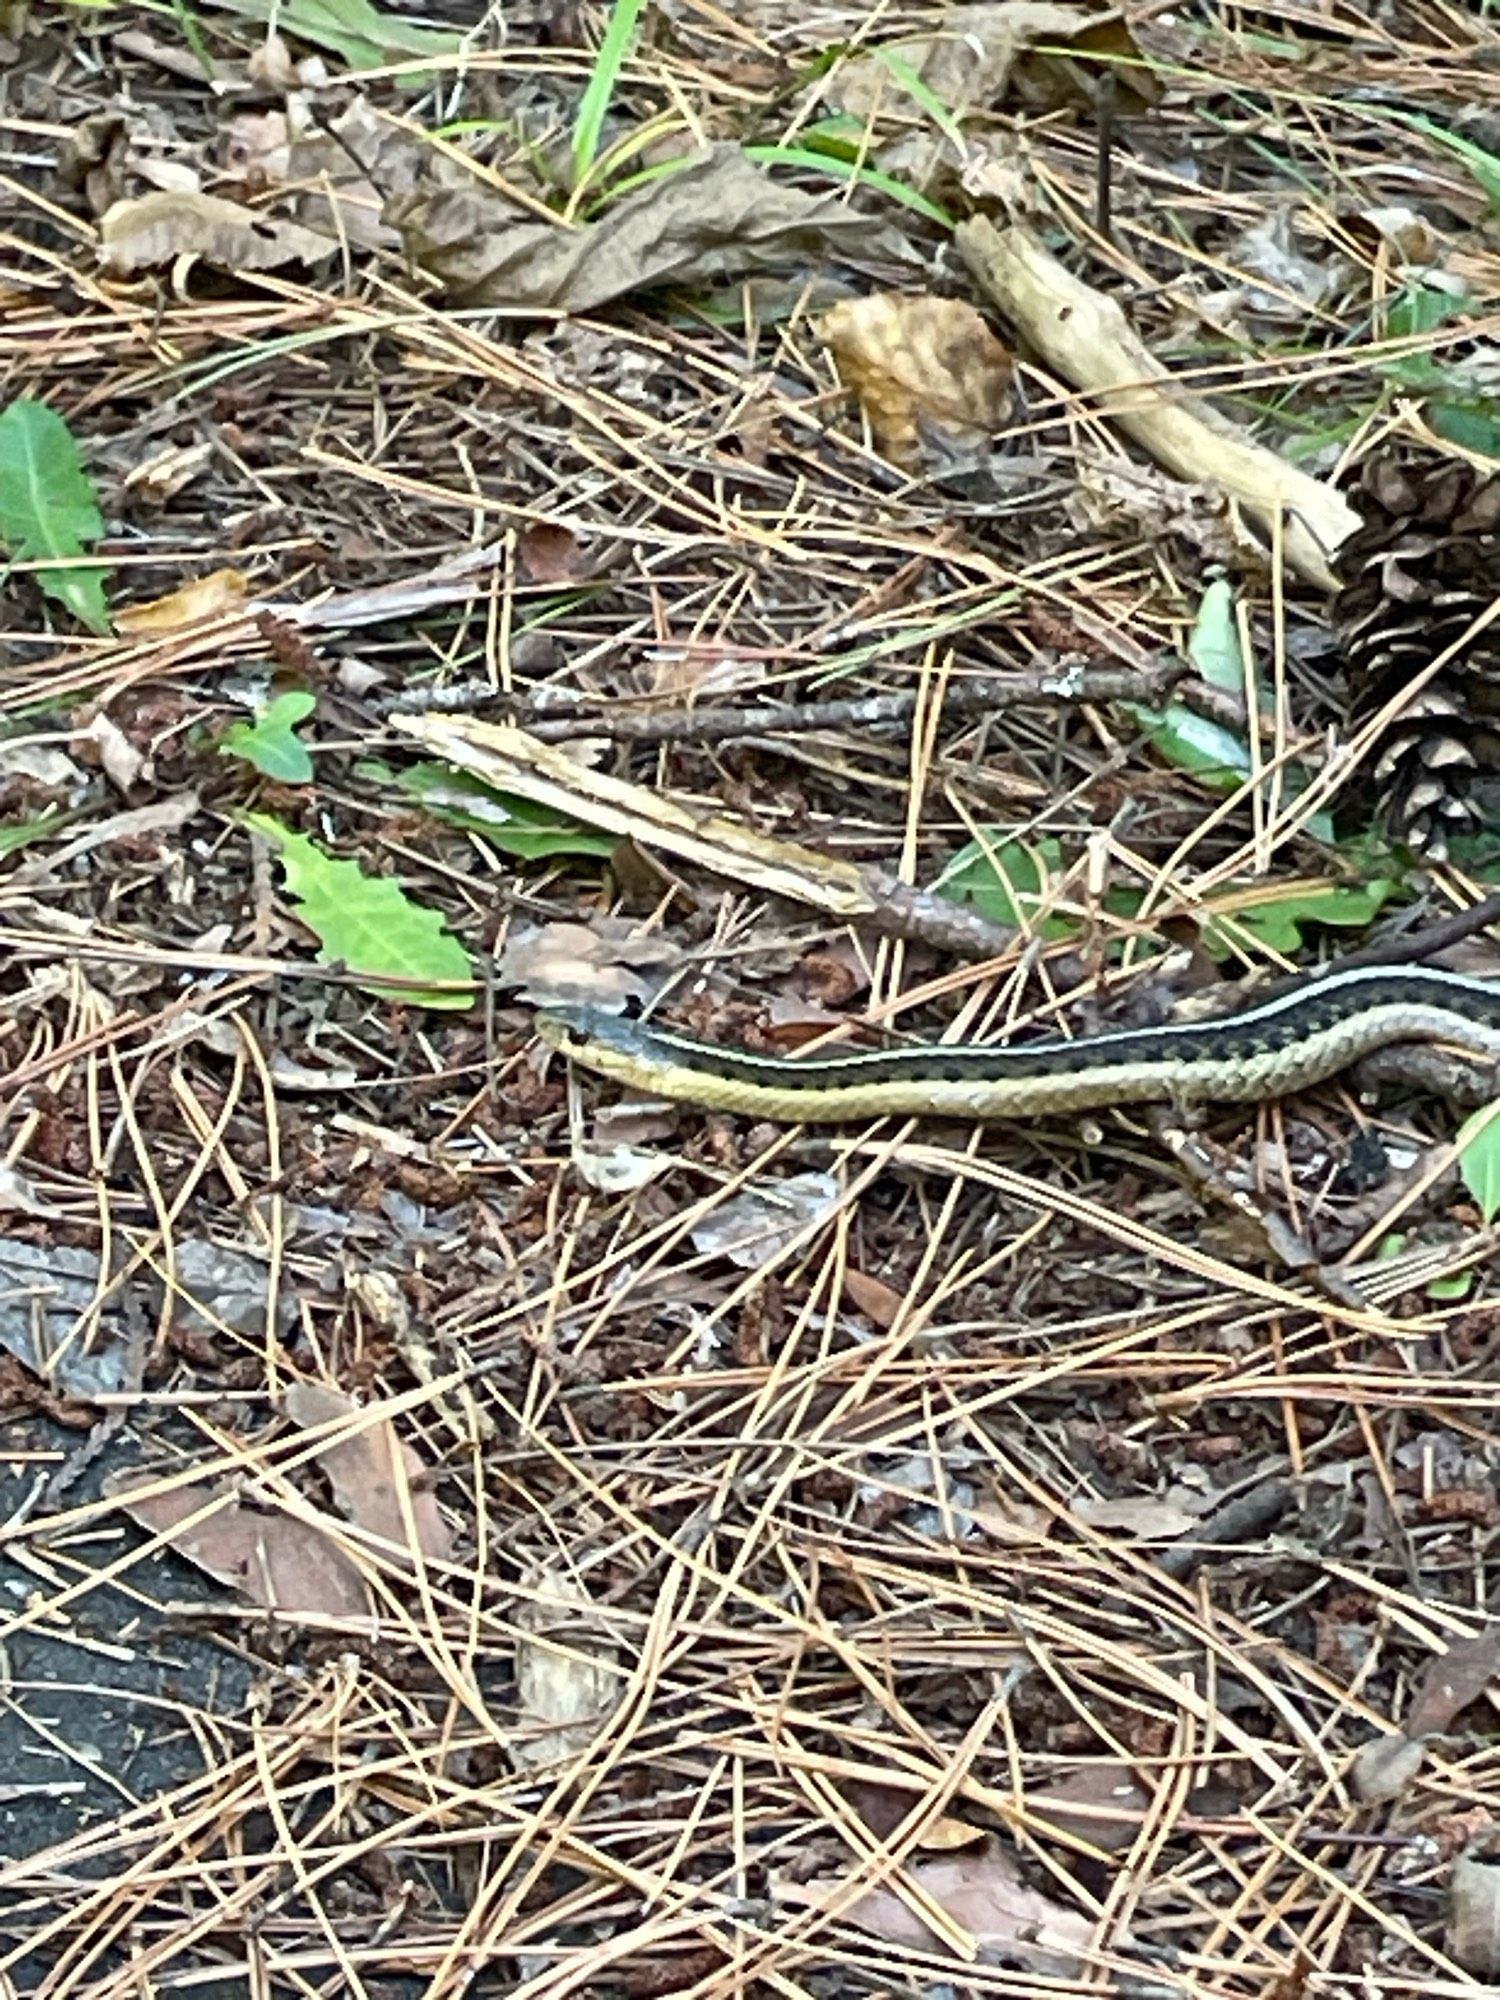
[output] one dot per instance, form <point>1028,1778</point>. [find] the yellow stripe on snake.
<point>1283,1044</point>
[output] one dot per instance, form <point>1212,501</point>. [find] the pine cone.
<point>1418,571</point>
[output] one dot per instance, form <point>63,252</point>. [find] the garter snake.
<point>1283,1044</point>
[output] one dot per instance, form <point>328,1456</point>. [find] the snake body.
<point>1284,1044</point>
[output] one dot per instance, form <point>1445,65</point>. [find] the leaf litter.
<point>816,524</point>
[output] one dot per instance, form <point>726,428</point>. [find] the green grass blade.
<point>589,124</point>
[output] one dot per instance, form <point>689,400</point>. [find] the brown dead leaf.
<point>715,217</point>
<point>160,477</point>
<point>879,1302</point>
<point>365,1472</point>
<point>1474,1913</point>
<point>257,148</point>
<point>568,1676</point>
<point>883,1808</point>
<point>283,1564</point>
<point>1017,1523</point>
<point>1449,1683</point>
<point>549,552</point>
<point>1103,1803</point>
<point>568,964</point>
<point>910,357</point>
<point>208,596</point>
<point>1385,1766</point>
<point>978,54</point>
<point>983,1895</point>
<point>159,228</point>
<point>762,1221</point>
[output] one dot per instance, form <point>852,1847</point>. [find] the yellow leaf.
<point>205,597</point>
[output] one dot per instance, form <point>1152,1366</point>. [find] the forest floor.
<point>577,502</point>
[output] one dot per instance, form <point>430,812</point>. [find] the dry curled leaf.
<point>714,217</point>
<point>913,359</point>
<point>1034,50</point>
<point>159,228</point>
<point>1156,1520</point>
<point>755,1226</point>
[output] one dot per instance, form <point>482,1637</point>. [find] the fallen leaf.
<point>1157,1519</point>
<point>910,357</point>
<point>1103,1803</point>
<point>982,1893</point>
<point>883,1809</point>
<point>1384,1767</point>
<point>1017,1523</point>
<point>283,1564</point>
<point>1474,1914</point>
<point>571,964</point>
<point>568,1672</point>
<point>161,477</point>
<point>549,552</point>
<point>1296,281</point>
<point>257,148</point>
<point>48,1292</point>
<point>159,228</point>
<point>716,216</point>
<point>617,1169</point>
<point>978,53</point>
<point>222,590</point>
<point>878,1301</point>
<point>118,757</point>
<point>362,1467</point>
<point>1449,1683</point>
<point>754,1227</point>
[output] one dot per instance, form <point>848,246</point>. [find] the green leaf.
<point>1277,920</point>
<point>1214,647</point>
<point>1457,1285</point>
<point>518,827</point>
<point>364,35</point>
<point>1419,309</point>
<point>369,924</point>
<point>839,136</point>
<point>1193,743</point>
<point>270,742</point>
<point>18,833</point>
<point>1478,1150</point>
<point>915,87</point>
<point>1479,853</point>
<point>849,170</point>
<point>1472,427</point>
<point>594,104</point>
<point>1006,881</point>
<point>1484,166</point>
<point>48,508</point>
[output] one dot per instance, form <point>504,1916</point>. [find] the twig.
<point>1065,683</point>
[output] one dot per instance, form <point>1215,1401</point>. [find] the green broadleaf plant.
<point>1478,1151</point>
<point>369,924</point>
<point>270,742</point>
<point>516,826</point>
<point>48,508</point>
